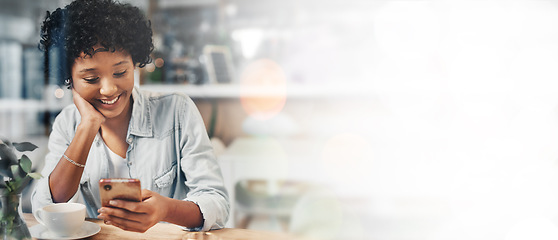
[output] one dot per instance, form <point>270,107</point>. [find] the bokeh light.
<point>263,89</point>
<point>159,62</point>
<point>59,93</point>
<point>150,67</point>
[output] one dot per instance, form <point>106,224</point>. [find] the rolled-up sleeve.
<point>203,174</point>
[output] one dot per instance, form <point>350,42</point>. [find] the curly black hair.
<point>78,27</point>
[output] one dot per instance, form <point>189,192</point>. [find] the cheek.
<point>86,91</point>
<point>128,83</point>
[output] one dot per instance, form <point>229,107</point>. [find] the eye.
<point>120,74</point>
<point>91,79</point>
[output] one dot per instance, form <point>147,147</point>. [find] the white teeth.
<point>110,102</point>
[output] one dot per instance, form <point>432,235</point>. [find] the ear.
<point>69,82</point>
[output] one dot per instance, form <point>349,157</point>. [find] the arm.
<point>202,171</point>
<point>64,179</point>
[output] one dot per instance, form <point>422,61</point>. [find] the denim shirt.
<point>169,152</point>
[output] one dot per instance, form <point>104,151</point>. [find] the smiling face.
<point>105,80</point>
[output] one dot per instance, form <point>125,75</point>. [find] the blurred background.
<point>355,119</point>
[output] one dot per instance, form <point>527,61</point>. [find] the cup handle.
<point>37,214</point>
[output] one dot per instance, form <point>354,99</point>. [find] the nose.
<point>108,88</point>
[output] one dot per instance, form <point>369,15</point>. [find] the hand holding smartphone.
<point>119,188</point>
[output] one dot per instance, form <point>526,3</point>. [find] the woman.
<point>115,130</point>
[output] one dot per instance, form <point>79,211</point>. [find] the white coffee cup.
<point>61,219</point>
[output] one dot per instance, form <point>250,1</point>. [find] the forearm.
<point>64,179</point>
<point>183,213</point>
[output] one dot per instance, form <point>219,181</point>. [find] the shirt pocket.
<point>164,182</point>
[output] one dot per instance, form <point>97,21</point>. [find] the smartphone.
<point>119,188</point>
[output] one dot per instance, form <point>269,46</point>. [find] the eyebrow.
<point>120,63</point>
<point>93,69</point>
<point>87,70</point>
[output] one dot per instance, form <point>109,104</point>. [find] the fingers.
<point>75,95</point>
<point>124,223</point>
<point>126,220</point>
<point>145,194</point>
<point>88,112</point>
<point>134,216</point>
<point>127,205</point>
<point>108,213</point>
<point>135,211</point>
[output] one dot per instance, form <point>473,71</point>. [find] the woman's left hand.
<point>136,216</point>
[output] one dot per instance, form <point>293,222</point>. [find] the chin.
<point>112,113</point>
<point>109,115</point>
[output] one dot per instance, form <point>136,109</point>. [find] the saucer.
<point>87,229</point>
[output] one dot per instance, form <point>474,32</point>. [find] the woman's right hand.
<point>89,115</point>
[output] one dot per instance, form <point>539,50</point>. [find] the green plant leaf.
<point>25,146</point>
<point>25,163</point>
<point>14,169</point>
<point>18,185</point>
<point>17,172</point>
<point>23,183</point>
<point>9,186</point>
<point>35,175</point>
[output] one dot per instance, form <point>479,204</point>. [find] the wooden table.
<point>171,231</point>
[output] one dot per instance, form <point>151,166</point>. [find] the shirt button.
<point>130,162</point>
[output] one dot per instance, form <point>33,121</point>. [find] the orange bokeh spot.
<point>263,89</point>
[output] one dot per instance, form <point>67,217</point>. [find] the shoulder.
<point>167,110</point>
<point>66,122</point>
<point>171,101</point>
<point>68,115</point>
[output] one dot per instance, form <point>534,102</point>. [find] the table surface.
<point>171,231</point>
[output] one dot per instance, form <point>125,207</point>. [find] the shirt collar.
<point>140,122</point>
